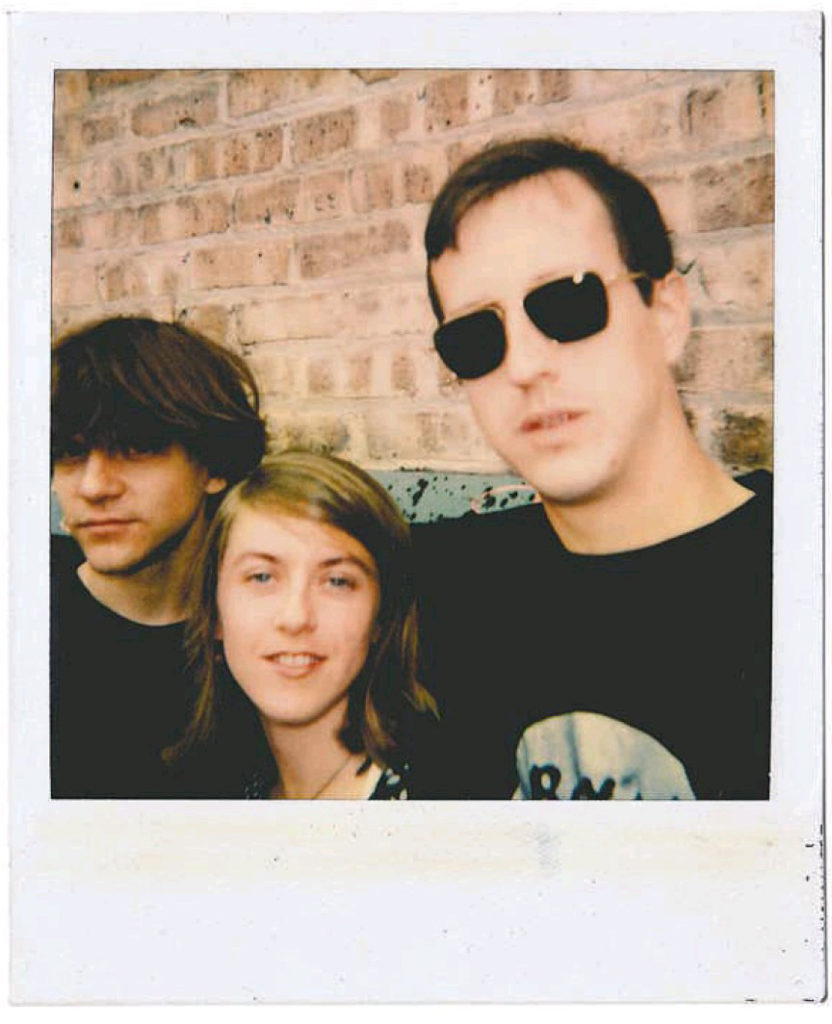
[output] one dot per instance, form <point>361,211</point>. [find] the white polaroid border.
<point>153,902</point>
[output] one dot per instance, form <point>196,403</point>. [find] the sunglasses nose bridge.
<point>529,352</point>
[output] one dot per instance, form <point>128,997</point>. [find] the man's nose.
<point>296,611</point>
<point>530,354</point>
<point>100,477</point>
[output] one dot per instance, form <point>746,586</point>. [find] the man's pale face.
<point>577,420</point>
<point>130,510</point>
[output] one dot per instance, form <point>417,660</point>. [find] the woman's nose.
<point>296,611</point>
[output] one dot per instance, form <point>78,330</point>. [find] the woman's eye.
<point>341,582</point>
<point>261,576</point>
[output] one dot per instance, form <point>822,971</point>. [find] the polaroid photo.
<point>626,776</point>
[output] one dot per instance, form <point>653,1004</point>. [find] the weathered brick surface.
<point>239,266</point>
<point>323,255</point>
<point>323,196</point>
<point>321,136</point>
<point>554,86</point>
<point>446,102</point>
<point>102,81</point>
<point>185,217</point>
<point>194,109</point>
<point>512,89</point>
<point>735,194</point>
<point>281,212</point>
<point>251,152</point>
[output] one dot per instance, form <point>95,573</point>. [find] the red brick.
<point>360,373</point>
<point>632,130</point>
<point>123,280</point>
<point>395,116</point>
<point>369,76</point>
<point>727,359</point>
<point>674,194</point>
<point>736,193</point>
<point>252,151</point>
<point>185,217</point>
<point>273,203</point>
<point>321,136</point>
<point>725,112</point>
<point>737,275</point>
<point>113,179</point>
<point>164,275</point>
<point>592,83</point>
<point>258,89</point>
<point>109,229</point>
<point>209,319</point>
<point>419,186</point>
<point>95,130</point>
<point>446,102</point>
<point>321,255</point>
<point>71,91</point>
<point>403,378</point>
<point>554,86</point>
<point>353,313</point>
<point>323,196</point>
<point>197,160</point>
<point>371,187</point>
<point>234,266</point>
<point>252,91</point>
<point>75,287</point>
<point>155,169</point>
<point>74,185</point>
<point>325,433</point>
<point>512,89</point>
<point>103,81</point>
<point>320,375</point>
<point>766,86</point>
<point>276,371</point>
<point>406,434</point>
<point>66,139</point>
<point>68,232</point>
<point>194,109</point>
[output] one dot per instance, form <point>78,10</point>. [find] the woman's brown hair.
<point>327,490</point>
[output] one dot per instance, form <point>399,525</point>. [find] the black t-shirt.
<point>644,674</point>
<point>119,694</point>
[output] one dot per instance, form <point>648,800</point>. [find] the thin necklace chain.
<point>332,777</point>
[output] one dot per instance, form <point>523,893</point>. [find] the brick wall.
<point>281,212</point>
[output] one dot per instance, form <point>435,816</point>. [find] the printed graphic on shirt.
<point>586,756</point>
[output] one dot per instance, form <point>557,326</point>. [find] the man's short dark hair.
<point>130,384</point>
<point>639,228</point>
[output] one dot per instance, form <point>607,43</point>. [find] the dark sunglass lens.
<point>567,310</point>
<point>472,346</point>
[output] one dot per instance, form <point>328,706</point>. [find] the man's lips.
<point>552,419</point>
<point>109,522</point>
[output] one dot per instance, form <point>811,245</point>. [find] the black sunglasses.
<point>567,309</point>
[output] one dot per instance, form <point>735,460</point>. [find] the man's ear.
<point>215,485</point>
<point>671,304</point>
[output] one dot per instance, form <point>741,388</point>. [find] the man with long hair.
<point>150,424</point>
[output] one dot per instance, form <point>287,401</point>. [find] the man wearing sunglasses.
<point>613,640</point>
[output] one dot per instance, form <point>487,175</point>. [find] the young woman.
<point>303,637</point>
